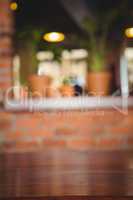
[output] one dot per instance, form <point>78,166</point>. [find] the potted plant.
<point>67,90</point>
<point>98,28</point>
<point>28,42</point>
<point>39,85</point>
<point>99,76</point>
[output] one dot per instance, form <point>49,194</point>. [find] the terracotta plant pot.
<point>39,84</point>
<point>67,90</point>
<point>99,83</point>
<point>53,92</point>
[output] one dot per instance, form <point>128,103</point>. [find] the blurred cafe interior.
<point>66,105</point>
<point>79,48</point>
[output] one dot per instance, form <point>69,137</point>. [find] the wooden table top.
<point>60,172</point>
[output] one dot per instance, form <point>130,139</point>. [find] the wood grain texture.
<point>58,172</point>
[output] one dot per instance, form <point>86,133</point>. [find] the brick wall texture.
<point>6,33</point>
<point>102,130</point>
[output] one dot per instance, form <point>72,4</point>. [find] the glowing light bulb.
<point>54,37</point>
<point>13,6</point>
<point>129,32</point>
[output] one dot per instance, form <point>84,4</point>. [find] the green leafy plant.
<point>27,40</point>
<point>66,81</point>
<point>97,29</point>
<point>56,48</point>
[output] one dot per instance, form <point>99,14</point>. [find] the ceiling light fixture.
<point>129,32</point>
<point>13,6</point>
<point>54,37</point>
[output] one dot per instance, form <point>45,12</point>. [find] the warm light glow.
<point>54,37</point>
<point>129,32</point>
<point>13,6</point>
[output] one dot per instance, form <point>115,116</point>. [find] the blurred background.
<point>80,48</point>
<point>66,146</point>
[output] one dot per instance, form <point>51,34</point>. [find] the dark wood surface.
<point>70,198</point>
<point>59,172</point>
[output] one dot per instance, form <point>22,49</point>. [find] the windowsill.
<point>71,103</point>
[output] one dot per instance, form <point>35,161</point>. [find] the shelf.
<point>69,103</point>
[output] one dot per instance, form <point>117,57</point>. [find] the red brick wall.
<point>107,129</point>
<point>6,31</point>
